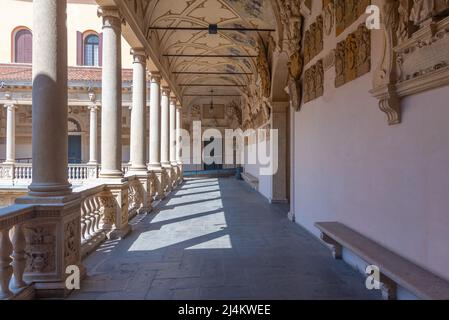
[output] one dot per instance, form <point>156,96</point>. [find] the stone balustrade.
<point>21,173</point>
<point>13,256</point>
<point>25,250</point>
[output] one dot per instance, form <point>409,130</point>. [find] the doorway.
<point>74,149</point>
<point>212,166</point>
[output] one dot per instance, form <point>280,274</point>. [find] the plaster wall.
<point>390,183</point>
<point>80,17</point>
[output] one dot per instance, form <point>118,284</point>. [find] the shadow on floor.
<point>215,238</point>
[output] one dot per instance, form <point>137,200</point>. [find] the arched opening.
<point>91,50</point>
<point>75,142</point>
<point>23,46</point>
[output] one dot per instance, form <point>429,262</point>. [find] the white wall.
<point>265,182</point>
<point>391,183</point>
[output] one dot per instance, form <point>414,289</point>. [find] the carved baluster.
<point>6,269</point>
<point>19,256</point>
<point>87,219</point>
<point>97,208</point>
<point>83,222</point>
<point>91,217</point>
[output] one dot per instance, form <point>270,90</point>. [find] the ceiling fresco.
<point>235,14</point>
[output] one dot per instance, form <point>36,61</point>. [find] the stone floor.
<point>218,239</point>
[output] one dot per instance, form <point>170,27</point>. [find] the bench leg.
<point>388,288</point>
<point>335,246</point>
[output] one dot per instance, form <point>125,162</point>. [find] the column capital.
<point>139,55</point>
<point>93,108</point>
<point>173,100</point>
<point>178,105</point>
<point>10,106</point>
<point>155,77</point>
<point>110,14</point>
<point>165,91</point>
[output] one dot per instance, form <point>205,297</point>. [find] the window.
<point>23,46</point>
<point>91,50</point>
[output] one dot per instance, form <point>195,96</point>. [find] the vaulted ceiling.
<point>177,31</point>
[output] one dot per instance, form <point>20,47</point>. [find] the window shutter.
<point>100,50</point>
<point>79,48</point>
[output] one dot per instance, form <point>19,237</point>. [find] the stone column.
<point>111,111</point>
<point>155,119</point>
<point>10,133</point>
<point>154,164</point>
<point>165,138</point>
<point>179,142</point>
<point>138,120</point>
<point>93,151</point>
<point>49,96</point>
<point>138,128</point>
<point>172,120</point>
<point>54,228</point>
<point>173,132</point>
<point>111,119</point>
<point>165,127</point>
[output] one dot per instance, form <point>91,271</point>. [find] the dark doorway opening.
<point>213,165</point>
<point>74,149</point>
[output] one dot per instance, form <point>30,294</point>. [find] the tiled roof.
<point>23,72</point>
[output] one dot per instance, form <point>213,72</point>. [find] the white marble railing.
<point>12,249</point>
<point>103,209</point>
<point>21,173</point>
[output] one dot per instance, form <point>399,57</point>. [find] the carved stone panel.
<point>353,56</point>
<point>314,82</point>
<point>40,248</point>
<point>347,12</point>
<point>363,38</point>
<point>313,40</point>
<point>350,58</point>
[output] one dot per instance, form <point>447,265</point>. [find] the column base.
<point>144,178</point>
<point>169,177</point>
<point>117,234</point>
<point>49,190</point>
<point>111,174</point>
<point>160,175</point>
<point>53,240</point>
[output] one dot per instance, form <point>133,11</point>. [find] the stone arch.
<point>279,77</point>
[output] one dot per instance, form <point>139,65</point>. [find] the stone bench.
<point>251,180</point>
<point>394,269</point>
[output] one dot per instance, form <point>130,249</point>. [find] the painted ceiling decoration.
<point>211,58</point>
<point>224,45</point>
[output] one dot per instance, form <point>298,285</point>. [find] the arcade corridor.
<point>218,239</point>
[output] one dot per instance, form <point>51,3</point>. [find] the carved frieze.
<point>415,55</point>
<point>40,248</point>
<point>313,40</point>
<point>328,12</point>
<point>347,12</point>
<point>314,82</point>
<point>72,241</point>
<point>353,56</point>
